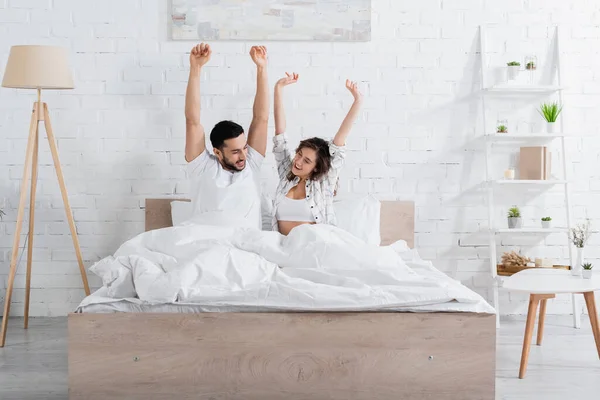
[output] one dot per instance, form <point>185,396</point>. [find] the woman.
<point>308,180</point>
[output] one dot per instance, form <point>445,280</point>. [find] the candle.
<point>509,174</point>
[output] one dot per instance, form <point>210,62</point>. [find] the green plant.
<point>530,65</point>
<point>502,129</point>
<point>514,212</point>
<point>587,266</point>
<point>513,64</point>
<point>546,219</point>
<point>550,111</point>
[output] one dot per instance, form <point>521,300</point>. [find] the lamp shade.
<point>38,67</point>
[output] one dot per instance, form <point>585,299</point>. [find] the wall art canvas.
<point>298,20</point>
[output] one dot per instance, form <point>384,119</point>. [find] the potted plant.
<point>550,112</point>
<point>546,222</point>
<point>579,237</point>
<point>514,217</point>
<point>587,270</point>
<point>502,129</point>
<point>531,65</point>
<point>513,69</point>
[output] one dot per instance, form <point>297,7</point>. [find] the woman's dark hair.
<point>323,161</point>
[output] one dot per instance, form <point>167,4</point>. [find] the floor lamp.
<point>37,67</point>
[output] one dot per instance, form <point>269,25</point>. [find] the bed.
<point>178,352</point>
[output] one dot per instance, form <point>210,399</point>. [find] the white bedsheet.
<point>198,268</point>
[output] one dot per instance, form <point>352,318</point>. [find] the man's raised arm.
<point>257,134</point>
<point>194,131</point>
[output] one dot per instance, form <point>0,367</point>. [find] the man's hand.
<point>288,80</point>
<point>259,55</point>
<point>353,88</point>
<point>200,55</point>
<point>257,133</point>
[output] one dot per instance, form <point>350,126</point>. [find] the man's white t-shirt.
<point>222,197</point>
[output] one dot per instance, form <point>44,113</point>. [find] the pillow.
<point>360,216</point>
<point>181,211</point>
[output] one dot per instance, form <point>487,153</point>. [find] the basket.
<point>504,270</point>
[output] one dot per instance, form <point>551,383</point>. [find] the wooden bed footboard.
<point>263,356</point>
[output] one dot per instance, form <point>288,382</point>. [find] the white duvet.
<point>316,267</point>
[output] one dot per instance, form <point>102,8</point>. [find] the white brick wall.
<point>121,131</point>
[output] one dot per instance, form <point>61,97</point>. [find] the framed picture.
<point>297,20</point>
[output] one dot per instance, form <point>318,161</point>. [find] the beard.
<point>231,166</point>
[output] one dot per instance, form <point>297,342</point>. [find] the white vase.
<point>513,72</point>
<point>546,224</point>
<point>550,127</point>
<point>587,273</point>
<point>514,222</point>
<point>576,270</point>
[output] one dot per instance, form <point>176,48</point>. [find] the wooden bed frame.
<point>284,355</point>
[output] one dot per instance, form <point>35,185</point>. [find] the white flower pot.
<point>550,127</point>
<point>586,273</point>
<point>576,270</point>
<point>514,223</point>
<point>513,72</point>
<point>546,224</point>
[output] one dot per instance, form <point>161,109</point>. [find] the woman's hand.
<point>353,88</point>
<point>288,79</point>
<point>342,134</point>
<point>279,112</point>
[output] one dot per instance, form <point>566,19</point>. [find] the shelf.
<point>523,89</point>
<point>541,182</point>
<point>526,230</point>
<point>504,137</point>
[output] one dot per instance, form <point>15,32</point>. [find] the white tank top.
<point>294,210</point>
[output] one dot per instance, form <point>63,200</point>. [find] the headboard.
<point>397,219</point>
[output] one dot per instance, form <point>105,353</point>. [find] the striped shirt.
<point>319,193</point>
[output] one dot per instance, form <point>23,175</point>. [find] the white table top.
<point>551,281</point>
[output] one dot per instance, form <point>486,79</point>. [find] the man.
<point>226,185</point>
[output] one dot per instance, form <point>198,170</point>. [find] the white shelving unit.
<point>523,90</point>
<point>492,185</point>
<point>501,137</point>
<point>546,182</point>
<point>517,231</point>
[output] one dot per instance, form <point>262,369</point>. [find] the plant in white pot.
<point>514,218</point>
<point>587,270</point>
<point>513,69</point>
<point>579,237</point>
<point>550,112</point>
<point>546,222</point>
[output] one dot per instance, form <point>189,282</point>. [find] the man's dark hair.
<point>222,131</point>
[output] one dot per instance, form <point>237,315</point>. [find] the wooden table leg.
<point>531,313</point>
<point>590,301</point>
<point>540,332</point>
